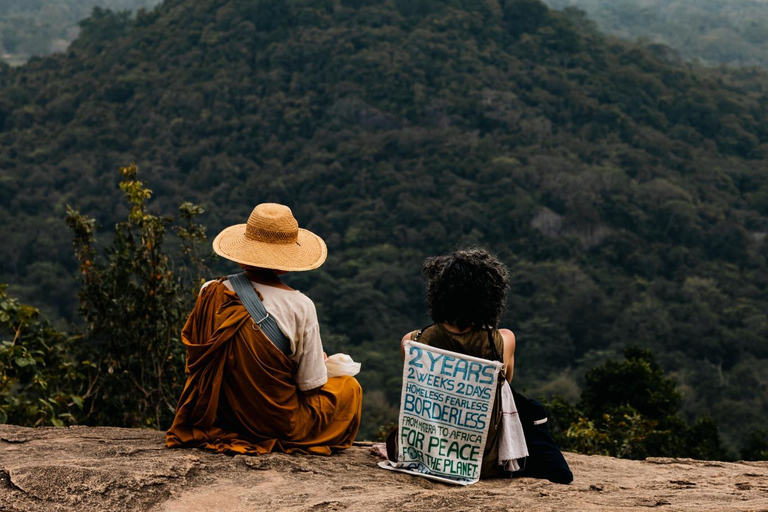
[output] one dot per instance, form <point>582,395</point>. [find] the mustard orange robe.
<point>240,396</point>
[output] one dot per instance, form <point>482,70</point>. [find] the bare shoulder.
<point>507,334</point>
<point>509,339</point>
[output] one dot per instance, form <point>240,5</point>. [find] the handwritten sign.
<point>445,412</point>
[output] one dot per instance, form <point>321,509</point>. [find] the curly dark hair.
<point>466,288</point>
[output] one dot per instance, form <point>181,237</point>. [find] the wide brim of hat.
<point>307,253</point>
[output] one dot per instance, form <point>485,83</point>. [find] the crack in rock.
<point>15,439</point>
<point>7,479</point>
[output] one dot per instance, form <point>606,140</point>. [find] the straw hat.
<point>271,239</point>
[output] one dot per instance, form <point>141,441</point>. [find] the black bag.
<point>545,460</point>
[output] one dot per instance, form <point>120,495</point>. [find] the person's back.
<point>466,295</point>
<point>244,394</point>
<point>472,343</point>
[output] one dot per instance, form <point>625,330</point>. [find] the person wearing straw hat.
<point>257,379</point>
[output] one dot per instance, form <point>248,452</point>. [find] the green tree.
<point>41,381</point>
<point>637,382</point>
<point>134,302</point>
<point>757,446</point>
<point>628,409</point>
<point>524,15</point>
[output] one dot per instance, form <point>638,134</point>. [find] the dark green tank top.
<point>473,343</point>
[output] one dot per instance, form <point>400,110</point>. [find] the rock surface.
<point>115,469</point>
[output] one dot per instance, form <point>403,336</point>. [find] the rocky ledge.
<point>116,469</point>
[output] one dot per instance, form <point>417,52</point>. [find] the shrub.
<point>134,302</point>
<point>41,382</point>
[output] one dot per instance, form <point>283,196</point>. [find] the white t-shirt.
<point>296,316</point>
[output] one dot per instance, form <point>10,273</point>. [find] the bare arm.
<point>509,352</point>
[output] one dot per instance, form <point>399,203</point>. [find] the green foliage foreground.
<point>134,303</point>
<point>40,382</point>
<point>629,409</point>
<point>126,367</point>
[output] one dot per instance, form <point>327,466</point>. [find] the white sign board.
<point>445,412</point>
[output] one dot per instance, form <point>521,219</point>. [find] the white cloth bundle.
<point>341,364</point>
<point>512,447</point>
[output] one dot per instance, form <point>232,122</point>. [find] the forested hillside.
<point>39,27</point>
<point>626,190</point>
<point>733,32</point>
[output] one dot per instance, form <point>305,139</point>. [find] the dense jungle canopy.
<point>626,189</point>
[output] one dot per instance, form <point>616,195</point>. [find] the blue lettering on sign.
<point>490,373</point>
<point>431,410</point>
<point>433,358</point>
<point>418,353</point>
<point>452,394</point>
<point>474,371</point>
<point>447,366</point>
<point>461,368</point>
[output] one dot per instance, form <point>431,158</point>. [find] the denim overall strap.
<point>259,315</point>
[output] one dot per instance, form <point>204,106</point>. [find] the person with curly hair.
<point>466,296</point>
